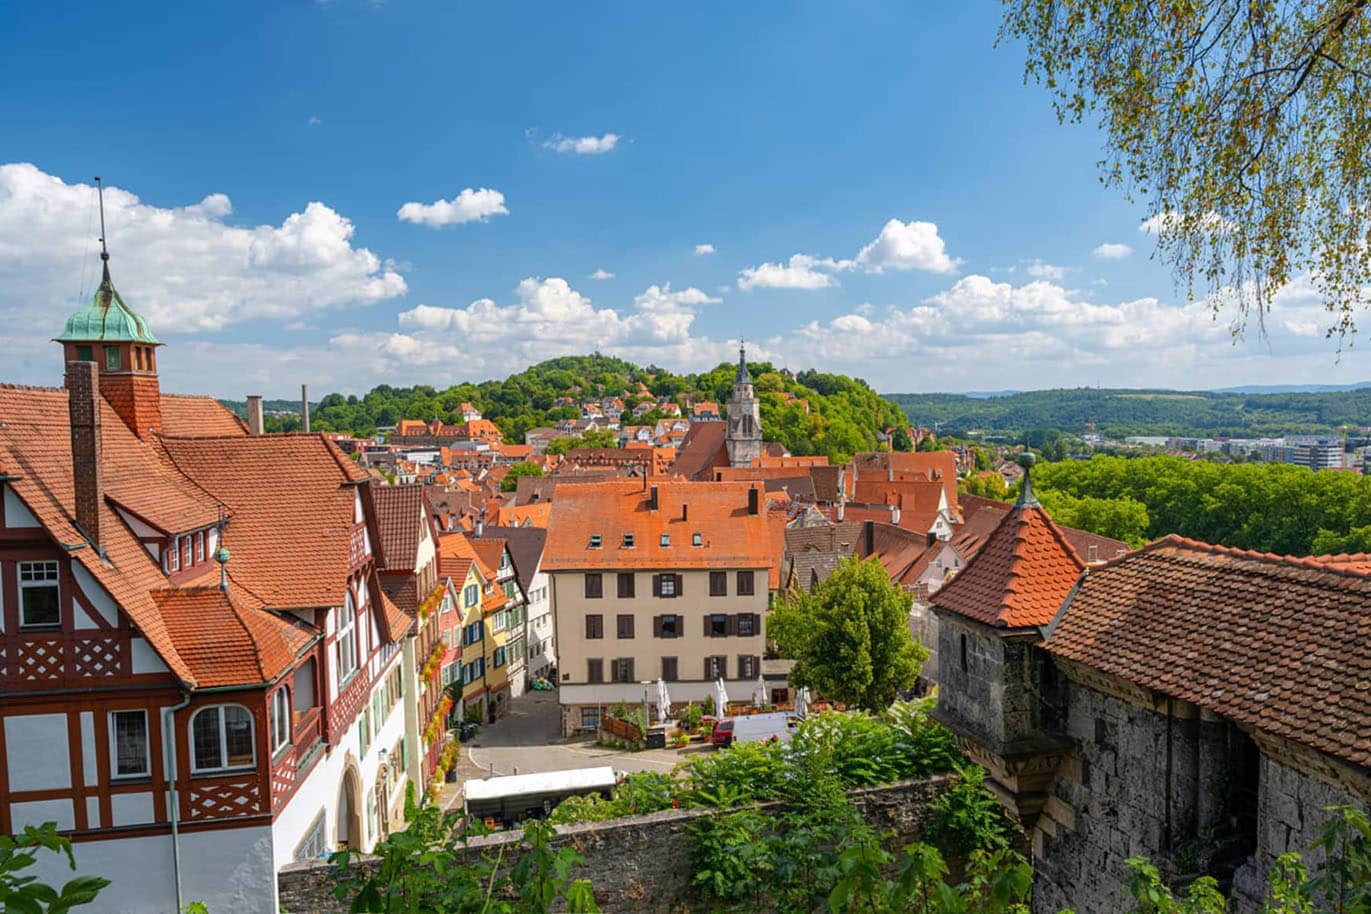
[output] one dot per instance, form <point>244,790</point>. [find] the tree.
<point>1117,518</point>
<point>1243,123</point>
<point>850,638</point>
<point>25,893</point>
<point>522,468</point>
<point>987,485</point>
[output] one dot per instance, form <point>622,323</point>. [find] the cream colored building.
<point>668,581</point>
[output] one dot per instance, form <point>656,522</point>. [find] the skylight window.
<point>594,541</point>
<point>697,539</point>
<point>666,539</point>
<point>628,540</point>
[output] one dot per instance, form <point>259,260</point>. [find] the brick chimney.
<point>83,404</point>
<point>304,407</point>
<point>753,501</point>
<point>254,414</point>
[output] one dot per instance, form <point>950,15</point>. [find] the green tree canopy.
<point>520,469</point>
<point>1243,123</point>
<point>850,638</point>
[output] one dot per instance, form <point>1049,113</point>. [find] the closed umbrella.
<point>801,703</point>
<point>759,692</point>
<point>720,698</point>
<point>663,701</point>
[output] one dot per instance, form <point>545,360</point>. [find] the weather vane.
<point>100,192</point>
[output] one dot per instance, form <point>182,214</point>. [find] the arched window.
<point>347,638</point>
<point>221,739</point>
<point>280,719</point>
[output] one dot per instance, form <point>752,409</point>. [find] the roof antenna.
<point>104,248</point>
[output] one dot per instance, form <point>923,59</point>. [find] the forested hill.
<point>1142,412</point>
<point>844,413</point>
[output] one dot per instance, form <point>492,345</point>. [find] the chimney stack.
<point>304,407</point>
<point>869,534</point>
<point>754,501</point>
<point>652,499</point>
<point>685,512</point>
<point>254,414</point>
<point>83,404</point>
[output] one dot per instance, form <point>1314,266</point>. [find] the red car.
<point>723,733</point>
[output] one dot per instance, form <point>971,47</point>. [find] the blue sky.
<point>261,156</point>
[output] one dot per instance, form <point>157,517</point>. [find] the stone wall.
<point>638,864</point>
<point>991,686</point>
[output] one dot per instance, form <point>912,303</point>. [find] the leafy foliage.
<point>742,773</point>
<point>1242,122</point>
<point>999,882</point>
<point>520,469</point>
<point>1121,518</point>
<point>429,867</point>
<point>967,817</point>
<point>850,637</point>
<point>22,894</point>
<point>1273,508</point>
<point>641,792</point>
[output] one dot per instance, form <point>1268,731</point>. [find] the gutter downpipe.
<point>169,750</point>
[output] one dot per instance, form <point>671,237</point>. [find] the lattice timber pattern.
<point>224,799</point>
<point>59,658</point>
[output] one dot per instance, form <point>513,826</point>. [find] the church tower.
<point>118,340</point>
<point>744,436</point>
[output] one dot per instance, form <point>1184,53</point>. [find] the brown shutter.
<point>731,624</point>
<point>656,585</point>
<point>680,585</point>
<point>656,626</point>
<point>708,677</point>
<point>706,626</point>
<point>630,677</point>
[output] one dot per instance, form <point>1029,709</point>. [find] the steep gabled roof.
<point>1021,575</point>
<point>188,416</point>
<point>1279,644</point>
<point>525,548</point>
<point>227,642</point>
<point>400,512</point>
<point>703,448</point>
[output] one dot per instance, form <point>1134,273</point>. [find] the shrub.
<point>967,818</point>
<point>739,774</point>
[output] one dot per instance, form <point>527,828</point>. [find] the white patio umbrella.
<point>801,703</point>
<point>663,701</point>
<point>720,698</point>
<point>759,692</point>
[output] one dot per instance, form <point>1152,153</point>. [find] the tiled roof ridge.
<point>1060,536</point>
<point>1331,563</point>
<point>5,385</point>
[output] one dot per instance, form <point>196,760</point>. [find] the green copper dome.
<point>107,319</point>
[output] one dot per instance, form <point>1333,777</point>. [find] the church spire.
<point>743,377</point>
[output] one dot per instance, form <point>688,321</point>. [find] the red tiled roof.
<point>188,416</point>
<point>1279,644</point>
<point>228,643</point>
<point>983,515</point>
<point>1019,577</point>
<point>394,622</point>
<point>400,514</point>
<point>292,511</point>
<point>702,449</point>
<point>731,537</point>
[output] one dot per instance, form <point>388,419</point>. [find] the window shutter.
<point>656,585</point>
<point>708,671</point>
<point>706,626</point>
<point>656,626</point>
<point>680,580</point>
<point>630,677</point>
<point>731,625</point>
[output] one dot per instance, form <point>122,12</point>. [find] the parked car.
<point>723,733</point>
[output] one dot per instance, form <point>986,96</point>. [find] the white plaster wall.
<point>320,788</point>
<point>230,870</point>
<point>538,628</point>
<point>36,812</point>
<point>95,595</point>
<point>36,750</point>
<point>146,658</point>
<point>17,514</point>
<point>132,808</point>
<point>90,762</point>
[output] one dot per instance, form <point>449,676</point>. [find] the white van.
<point>758,728</point>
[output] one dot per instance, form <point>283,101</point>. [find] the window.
<point>590,718</point>
<point>185,551</point>
<point>668,627</point>
<point>669,669</point>
<point>315,842</point>
<point>595,626</point>
<point>364,731</point>
<point>697,539</point>
<point>718,583</point>
<point>128,736</point>
<point>625,621</point>
<point>199,547</point>
<point>84,354</point>
<point>623,669</point>
<point>628,540</point>
<point>174,555</point>
<point>666,585</point>
<point>221,738</point>
<point>498,659</point>
<point>594,541</point>
<point>716,626</point>
<point>280,719</point>
<point>745,583</point>
<point>747,624</point>
<point>347,639</point>
<point>474,632</point>
<point>716,667</point>
<point>747,666</point>
<point>595,586</point>
<point>112,358</point>
<point>666,540</point>
<point>38,602</point>
<point>595,670</point>
<point>470,595</point>
<point>625,584</point>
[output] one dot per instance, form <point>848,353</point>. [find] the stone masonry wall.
<point>639,864</point>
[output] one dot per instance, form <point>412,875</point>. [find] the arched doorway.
<point>349,820</point>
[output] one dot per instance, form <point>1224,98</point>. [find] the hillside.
<point>844,413</point>
<point>1142,412</point>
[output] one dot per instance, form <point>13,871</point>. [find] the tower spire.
<point>104,246</point>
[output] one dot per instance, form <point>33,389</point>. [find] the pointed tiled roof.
<point>1021,575</point>
<point>227,642</point>
<point>399,513</point>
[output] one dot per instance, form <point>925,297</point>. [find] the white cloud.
<point>601,273</point>
<point>1112,251</point>
<point>906,246</point>
<point>582,145</point>
<point>1210,221</point>
<point>468,206</point>
<point>183,268</point>
<point>703,249</point>
<point>658,298</point>
<point>801,272</point>
<point>1040,270</point>
<point>314,121</point>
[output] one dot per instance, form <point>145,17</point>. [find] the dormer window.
<point>38,595</point>
<point>199,547</point>
<point>628,540</point>
<point>594,541</point>
<point>174,555</point>
<point>666,540</point>
<point>697,539</point>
